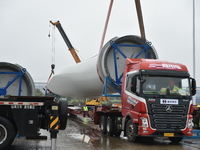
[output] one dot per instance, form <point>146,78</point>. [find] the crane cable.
<point>53,52</point>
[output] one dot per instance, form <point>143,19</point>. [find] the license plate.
<point>169,134</point>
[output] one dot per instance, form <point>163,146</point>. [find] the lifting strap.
<point>140,21</point>
<point>106,25</point>
<point>140,18</point>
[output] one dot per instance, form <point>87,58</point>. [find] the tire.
<point>117,132</point>
<point>110,126</point>
<point>7,133</point>
<point>132,131</point>
<point>103,124</point>
<point>175,139</point>
<point>63,112</point>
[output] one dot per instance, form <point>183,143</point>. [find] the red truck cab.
<point>149,107</point>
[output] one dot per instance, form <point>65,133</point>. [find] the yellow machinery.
<point>95,101</point>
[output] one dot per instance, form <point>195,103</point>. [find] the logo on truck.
<point>165,66</point>
<point>168,108</point>
<point>169,101</point>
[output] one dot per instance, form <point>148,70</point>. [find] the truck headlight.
<point>190,123</point>
<point>144,122</point>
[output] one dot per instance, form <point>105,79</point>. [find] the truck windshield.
<point>166,85</point>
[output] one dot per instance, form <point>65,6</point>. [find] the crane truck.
<point>21,112</point>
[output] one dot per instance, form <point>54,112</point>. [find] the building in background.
<point>40,86</point>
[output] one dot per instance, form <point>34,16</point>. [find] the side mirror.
<point>193,89</point>
<point>141,78</point>
<point>133,84</point>
<point>133,89</point>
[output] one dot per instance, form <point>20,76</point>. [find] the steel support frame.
<point>18,75</point>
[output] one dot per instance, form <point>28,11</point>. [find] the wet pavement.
<point>82,134</point>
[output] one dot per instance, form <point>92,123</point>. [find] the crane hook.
<point>52,68</point>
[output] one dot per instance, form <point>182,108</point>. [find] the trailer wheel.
<point>7,133</point>
<point>103,124</point>
<point>132,131</point>
<point>175,139</point>
<point>110,126</point>
<point>63,111</point>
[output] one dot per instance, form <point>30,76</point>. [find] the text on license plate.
<point>169,134</point>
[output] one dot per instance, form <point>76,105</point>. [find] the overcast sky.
<point>25,27</point>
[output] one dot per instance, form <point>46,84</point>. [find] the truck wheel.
<point>7,133</point>
<point>132,131</point>
<point>103,124</point>
<point>175,139</point>
<point>110,126</point>
<point>117,131</point>
<point>63,111</point>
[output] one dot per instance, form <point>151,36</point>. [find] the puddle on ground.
<point>86,135</point>
<point>81,131</point>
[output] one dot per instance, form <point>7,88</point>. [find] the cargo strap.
<point>106,24</point>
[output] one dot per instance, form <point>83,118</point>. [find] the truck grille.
<point>172,118</point>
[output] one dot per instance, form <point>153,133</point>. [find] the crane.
<point>68,43</point>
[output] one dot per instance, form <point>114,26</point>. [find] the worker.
<point>85,111</point>
<point>172,86</point>
<point>85,108</point>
